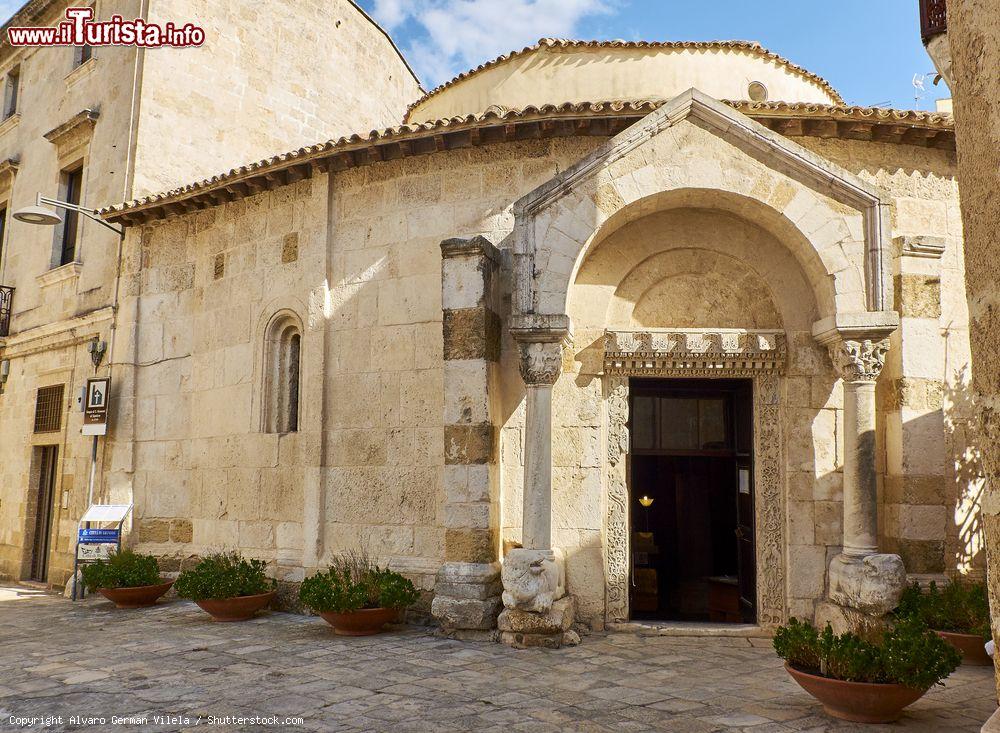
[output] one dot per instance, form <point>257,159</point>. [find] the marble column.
<point>862,581</point>
<point>537,611</point>
<point>540,367</point>
<point>859,363</point>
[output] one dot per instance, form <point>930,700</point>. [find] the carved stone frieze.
<point>693,353</point>
<point>769,501</point>
<point>858,361</point>
<point>616,544</point>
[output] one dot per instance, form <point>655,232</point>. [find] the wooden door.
<point>44,496</point>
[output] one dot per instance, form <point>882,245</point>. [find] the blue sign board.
<point>96,536</point>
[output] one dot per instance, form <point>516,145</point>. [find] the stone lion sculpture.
<point>533,579</point>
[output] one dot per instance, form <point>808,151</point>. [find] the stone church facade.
<point>473,343</point>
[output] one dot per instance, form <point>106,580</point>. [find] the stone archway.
<point>833,223</point>
<point>759,355</point>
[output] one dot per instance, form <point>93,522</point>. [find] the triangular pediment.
<point>771,148</point>
<point>634,163</point>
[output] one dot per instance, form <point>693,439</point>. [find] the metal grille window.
<point>48,409</point>
<point>6,308</point>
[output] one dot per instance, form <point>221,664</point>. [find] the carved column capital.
<point>540,339</point>
<point>541,362</point>
<point>858,360</point>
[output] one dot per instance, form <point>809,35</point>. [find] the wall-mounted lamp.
<point>38,214</point>
<point>646,501</point>
<point>4,373</point>
<point>97,350</point>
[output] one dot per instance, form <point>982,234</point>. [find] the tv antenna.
<point>920,86</point>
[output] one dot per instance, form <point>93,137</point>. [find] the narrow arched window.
<point>282,360</point>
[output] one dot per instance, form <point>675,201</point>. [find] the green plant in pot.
<point>868,677</point>
<point>959,613</point>
<point>357,597</point>
<point>228,586</point>
<point>127,579</point>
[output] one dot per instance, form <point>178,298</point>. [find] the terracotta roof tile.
<point>497,114</point>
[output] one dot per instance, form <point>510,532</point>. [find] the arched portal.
<point>697,244</point>
<point>689,306</point>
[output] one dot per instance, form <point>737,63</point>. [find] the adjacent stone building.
<point>963,39</point>
<point>111,123</point>
<point>609,331</point>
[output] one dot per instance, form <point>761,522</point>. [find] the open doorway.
<point>40,502</point>
<point>691,500</point>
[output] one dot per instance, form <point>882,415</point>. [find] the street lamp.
<point>39,214</point>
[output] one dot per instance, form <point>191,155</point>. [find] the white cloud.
<point>454,35</point>
<point>390,13</point>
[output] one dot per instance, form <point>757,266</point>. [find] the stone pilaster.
<point>861,581</point>
<point>920,497</point>
<point>467,590</point>
<point>537,610</point>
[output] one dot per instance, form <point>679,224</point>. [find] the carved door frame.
<point>696,353</point>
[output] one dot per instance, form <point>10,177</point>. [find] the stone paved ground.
<point>57,658</point>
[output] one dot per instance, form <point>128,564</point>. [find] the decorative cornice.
<point>59,274</point>
<point>82,123</point>
<point>10,123</point>
<point>8,168</point>
<point>565,43</point>
<point>694,352</point>
<point>55,335</point>
<point>921,246</point>
<point>28,14</point>
<point>499,125</point>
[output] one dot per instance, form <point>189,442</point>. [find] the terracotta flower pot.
<point>972,646</point>
<point>141,597</point>
<point>859,702</point>
<point>364,622</point>
<point>241,608</point>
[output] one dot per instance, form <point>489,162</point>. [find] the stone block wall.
<point>189,435</point>
<point>367,468</point>
<point>931,476</point>
<point>400,374</point>
<point>266,81</point>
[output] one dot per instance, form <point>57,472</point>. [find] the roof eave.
<point>499,125</point>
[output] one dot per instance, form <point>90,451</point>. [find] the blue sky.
<point>869,50</point>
